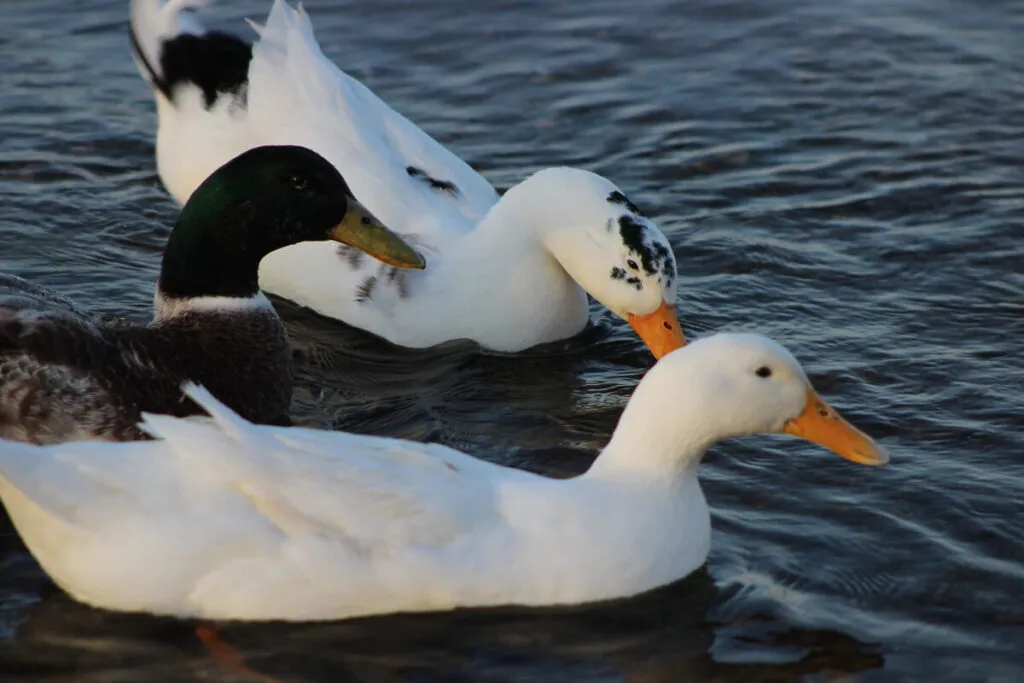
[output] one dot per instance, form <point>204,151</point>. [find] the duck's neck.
<point>662,435</point>
<point>517,227</point>
<point>519,283</point>
<point>206,257</point>
<point>167,308</point>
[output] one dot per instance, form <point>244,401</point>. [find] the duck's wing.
<point>221,517</point>
<point>64,373</point>
<point>45,340</point>
<point>359,490</point>
<point>292,94</point>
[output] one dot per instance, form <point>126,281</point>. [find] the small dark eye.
<point>299,182</point>
<point>632,264</point>
<point>763,371</point>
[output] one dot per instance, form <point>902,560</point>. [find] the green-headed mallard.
<point>65,375</point>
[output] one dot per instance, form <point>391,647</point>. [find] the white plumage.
<point>219,518</point>
<point>508,272</point>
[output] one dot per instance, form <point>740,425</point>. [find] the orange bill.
<point>659,330</point>
<point>821,424</point>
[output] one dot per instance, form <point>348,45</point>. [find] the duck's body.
<point>66,375</point>
<point>509,272</point>
<point>223,519</point>
<point>310,525</point>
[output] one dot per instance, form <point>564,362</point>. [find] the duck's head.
<point>260,201</point>
<point>617,254</point>
<point>729,385</point>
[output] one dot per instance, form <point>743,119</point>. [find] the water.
<point>845,177</point>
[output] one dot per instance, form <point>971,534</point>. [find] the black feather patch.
<point>365,289</point>
<point>398,277</point>
<point>217,63</point>
<point>654,256</point>
<point>351,255</point>
<point>617,197</point>
<point>618,273</point>
<point>632,232</point>
<point>443,185</point>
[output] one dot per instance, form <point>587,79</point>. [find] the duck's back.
<point>66,375</point>
<point>47,392</point>
<point>294,95</point>
<point>403,175</point>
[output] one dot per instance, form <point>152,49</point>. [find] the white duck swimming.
<point>223,519</point>
<point>509,272</point>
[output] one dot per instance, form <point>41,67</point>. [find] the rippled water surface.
<point>843,176</point>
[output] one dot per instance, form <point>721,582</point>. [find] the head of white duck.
<point>262,200</point>
<point>608,246</point>
<point>722,386</point>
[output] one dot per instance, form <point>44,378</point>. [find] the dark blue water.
<point>845,177</point>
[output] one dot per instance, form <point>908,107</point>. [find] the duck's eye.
<point>763,371</point>
<point>632,264</point>
<point>299,182</point>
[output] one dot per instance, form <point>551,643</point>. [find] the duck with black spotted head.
<point>508,272</point>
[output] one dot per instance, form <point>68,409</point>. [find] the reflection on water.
<point>844,177</point>
<point>660,636</point>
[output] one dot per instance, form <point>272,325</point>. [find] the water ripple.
<point>842,176</point>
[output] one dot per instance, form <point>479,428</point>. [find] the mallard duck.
<point>66,375</point>
<point>222,519</point>
<point>508,272</point>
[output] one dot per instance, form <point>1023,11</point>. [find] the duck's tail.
<point>225,420</point>
<point>63,499</point>
<point>218,442</point>
<point>171,47</point>
<point>27,495</point>
<point>154,22</point>
<point>33,476</point>
<point>45,490</point>
<point>294,87</point>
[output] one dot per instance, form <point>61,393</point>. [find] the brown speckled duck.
<point>66,375</point>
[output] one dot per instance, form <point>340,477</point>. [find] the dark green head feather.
<point>265,199</point>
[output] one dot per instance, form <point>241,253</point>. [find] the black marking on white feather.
<point>617,197</point>
<point>65,374</point>
<point>654,256</point>
<point>353,256</point>
<point>399,278</point>
<point>618,273</point>
<point>240,100</point>
<point>442,185</point>
<point>365,289</point>
<point>635,283</point>
<point>215,62</point>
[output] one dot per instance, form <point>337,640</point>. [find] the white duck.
<point>223,519</point>
<point>509,272</point>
